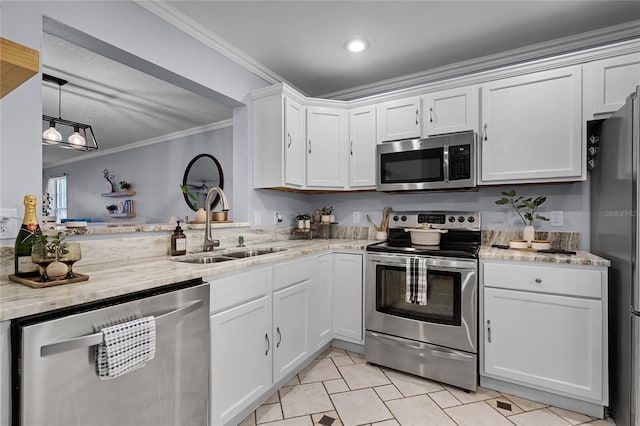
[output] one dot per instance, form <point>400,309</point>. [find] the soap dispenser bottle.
<point>178,242</point>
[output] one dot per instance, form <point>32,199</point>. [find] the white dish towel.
<point>416,285</point>
<point>126,347</point>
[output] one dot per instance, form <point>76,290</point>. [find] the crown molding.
<point>147,142</point>
<point>173,16</point>
<point>591,39</point>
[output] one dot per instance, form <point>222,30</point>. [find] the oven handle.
<point>433,265</point>
<point>449,354</point>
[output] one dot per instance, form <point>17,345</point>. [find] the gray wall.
<point>155,172</point>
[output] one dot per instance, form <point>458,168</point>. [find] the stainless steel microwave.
<point>440,162</point>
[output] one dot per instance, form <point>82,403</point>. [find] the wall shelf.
<point>118,194</point>
<point>122,215</point>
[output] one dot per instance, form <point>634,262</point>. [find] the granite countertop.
<point>580,258</point>
<point>120,278</point>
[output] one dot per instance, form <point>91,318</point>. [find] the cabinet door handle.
<point>485,131</point>
<point>351,148</point>
<point>417,117</point>
<point>309,146</point>
<point>279,337</point>
<point>430,115</point>
<point>289,136</point>
<point>266,337</point>
<point>489,331</point>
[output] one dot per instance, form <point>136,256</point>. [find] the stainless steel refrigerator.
<point>615,235</point>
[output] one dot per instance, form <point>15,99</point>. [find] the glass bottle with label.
<point>178,242</point>
<point>27,235</point>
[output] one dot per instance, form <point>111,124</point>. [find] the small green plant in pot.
<point>327,214</point>
<point>526,208</point>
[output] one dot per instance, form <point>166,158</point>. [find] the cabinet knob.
<point>538,280</point>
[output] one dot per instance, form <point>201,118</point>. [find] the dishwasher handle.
<point>97,338</point>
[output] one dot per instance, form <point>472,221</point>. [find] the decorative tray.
<point>34,283</point>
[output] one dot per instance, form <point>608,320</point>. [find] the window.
<point>57,188</point>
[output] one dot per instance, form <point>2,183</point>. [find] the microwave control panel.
<point>460,162</point>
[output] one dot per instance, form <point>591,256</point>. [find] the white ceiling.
<point>300,42</point>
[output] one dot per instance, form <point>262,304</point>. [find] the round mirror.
<point>203,173</point>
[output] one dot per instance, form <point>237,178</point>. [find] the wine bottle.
<point>29,230</point>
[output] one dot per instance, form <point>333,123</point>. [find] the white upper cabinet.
<point>327,131</point>
<point>449,111</point>
<point>294,153</point>
<point>613,80</point>
<point>532,128</point>
<point>278,142</point>
<point>362,147</point>
<point>398,119</point>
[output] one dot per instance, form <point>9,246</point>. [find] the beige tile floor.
<point>341,388</point>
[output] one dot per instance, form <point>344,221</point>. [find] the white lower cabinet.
<point>5,373</point>
<point>240,357</point>
<point>320,332</point>
<point>347,297</point>
<point>241,353</point>
<point>545,327</point>
<point>290,328</point>
<point>268,322</point>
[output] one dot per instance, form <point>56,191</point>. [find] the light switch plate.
<point>257,217</point>
<point>356,217</point>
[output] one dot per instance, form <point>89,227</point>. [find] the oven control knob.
<point>403,218</point>
<point>395,218</point>
<point>452,219</point>
<point>460,219</point>
<point>471,219</point>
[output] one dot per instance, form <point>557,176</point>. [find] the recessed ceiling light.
<point>356,45</point>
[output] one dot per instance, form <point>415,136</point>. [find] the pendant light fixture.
<point>81,132</point>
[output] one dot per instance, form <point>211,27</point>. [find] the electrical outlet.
<point>277,218</point>
<point>8,223</point>
<point>257,218</point>
<point>557,218</point>
<point>356,217</point>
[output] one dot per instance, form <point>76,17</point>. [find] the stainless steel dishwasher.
<point>54,364</point>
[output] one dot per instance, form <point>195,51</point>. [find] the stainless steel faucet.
<point>209,242</point>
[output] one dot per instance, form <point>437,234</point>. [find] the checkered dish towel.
<point>416,287</point>
<point>126,347</point>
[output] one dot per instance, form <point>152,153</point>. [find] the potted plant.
<point>304,221</point>
<point>526,207</point>
<point>124,185</point>
<point>201,214</point>
<point>112,208</point>
<point>327,214</point>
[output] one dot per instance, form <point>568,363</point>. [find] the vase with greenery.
<point>326,213</point>
<point>111,208</point>
<point>304,221</point>
<point>124,185</point>
<point>526,208</point>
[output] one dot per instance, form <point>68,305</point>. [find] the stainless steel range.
<point>435,337</point>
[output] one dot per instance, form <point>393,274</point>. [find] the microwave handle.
<point>445,163</point>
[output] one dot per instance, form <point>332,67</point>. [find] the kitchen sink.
<point>215,258</point>
<point>250,253</point>
<point>205,260</point>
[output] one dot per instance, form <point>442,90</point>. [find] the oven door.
<point>448,319</point>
